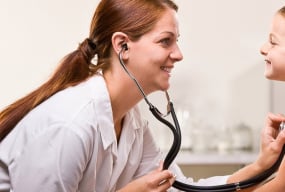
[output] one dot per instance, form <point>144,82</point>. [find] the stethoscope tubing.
<point>171,155</point>
<point>176,144</point>
<point>217,188</point>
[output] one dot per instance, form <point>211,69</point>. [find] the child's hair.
<point>282,11</point>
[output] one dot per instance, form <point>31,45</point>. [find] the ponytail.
<point>74,68</point>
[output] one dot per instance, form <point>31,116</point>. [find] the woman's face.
<point>274,50</point>
<point>152,57</point>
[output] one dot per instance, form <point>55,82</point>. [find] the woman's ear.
<point>120,41</point>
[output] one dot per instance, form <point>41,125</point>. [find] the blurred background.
<point>219,92</point>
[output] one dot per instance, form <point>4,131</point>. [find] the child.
<point>274,54</point>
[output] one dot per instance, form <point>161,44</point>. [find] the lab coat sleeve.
<point>54,161</point>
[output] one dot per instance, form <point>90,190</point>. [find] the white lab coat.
<point>68,144</point>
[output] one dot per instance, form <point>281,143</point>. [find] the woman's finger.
<point>166,184</point>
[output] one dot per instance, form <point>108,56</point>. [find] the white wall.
<point>220,82</point>
<point>35,35</point>
<point>221,41</point>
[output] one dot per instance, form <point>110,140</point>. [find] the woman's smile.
<point>167,69</point>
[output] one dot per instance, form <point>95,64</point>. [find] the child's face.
<point>274,50</point>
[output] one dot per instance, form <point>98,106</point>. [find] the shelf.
<point>215,158</point>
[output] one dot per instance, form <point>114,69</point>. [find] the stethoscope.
<point>175,147</point>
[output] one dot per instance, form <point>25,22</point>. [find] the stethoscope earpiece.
<point>125,46</point>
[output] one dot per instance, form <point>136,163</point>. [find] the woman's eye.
<point>165,41</point>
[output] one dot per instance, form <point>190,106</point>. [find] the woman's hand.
<point>271,141</point>
<point>156,181</point>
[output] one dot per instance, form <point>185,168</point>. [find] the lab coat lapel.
<point>127,139</point>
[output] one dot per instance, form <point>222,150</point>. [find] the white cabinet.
<point>203,165</point>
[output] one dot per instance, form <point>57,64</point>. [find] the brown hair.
<point>133,17</point>
<point>281,11</point>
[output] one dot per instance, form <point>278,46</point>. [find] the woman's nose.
<point>177,54</point>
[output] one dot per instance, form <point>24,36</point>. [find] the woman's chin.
<point>165,87</point>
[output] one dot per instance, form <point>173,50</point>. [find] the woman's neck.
<point>124,94</point>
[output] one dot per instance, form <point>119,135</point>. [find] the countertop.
<point>215,157</point>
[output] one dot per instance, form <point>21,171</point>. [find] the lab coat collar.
<point>128,136</point>
<point>104,112</point>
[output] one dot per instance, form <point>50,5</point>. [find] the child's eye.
<point>273,43</point>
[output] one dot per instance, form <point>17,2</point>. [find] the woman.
<point>82,129</point>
